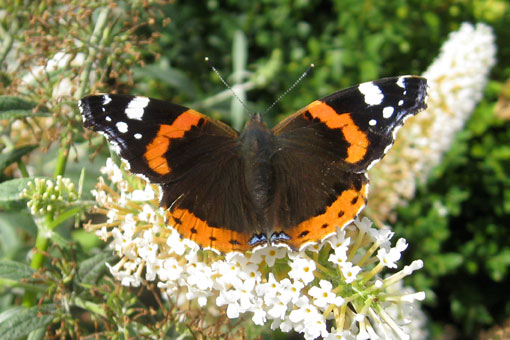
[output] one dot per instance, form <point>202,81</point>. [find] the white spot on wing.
<point>400,82</point>
<point>136,106</point>
<point>108,118</point>
<point>122,127</point>
<point>387,111</point>
<point>401,102</point>
<point>138,135</point>
<point>372,122</point>
<point>372,93</point>
<point>106,99</point>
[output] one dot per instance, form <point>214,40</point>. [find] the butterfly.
<point>291,185</point>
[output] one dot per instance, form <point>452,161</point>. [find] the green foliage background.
<point>268,44</point>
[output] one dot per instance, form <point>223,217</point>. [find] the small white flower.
<point>290,291</point>
<point>271,254</point>
<point>350,272</point>
<point>112,171</point>
<point>200,275</point>
<point>381,237</point>
<point>389,258</point>
<point>315,327</point>
<point>302,269</point>
<point>323,296</point>
<point>176,243</point>
<point>169,269</point>
<point>304,311</point>
<point>143,195</point>
<point>269,289</point>
<point>339,257</point>
<point>339,239</point>
<point>364,225</point>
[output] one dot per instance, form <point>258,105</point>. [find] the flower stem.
<point>41,245</point>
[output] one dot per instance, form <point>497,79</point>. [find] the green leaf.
<point>17,274</point>
<point>15,103</point>
<point>14,155</point>
<point>18,322</point>
<point>14,271</point>
<point>16,107</point>
<point>10,193</point>
<point>90,270</point>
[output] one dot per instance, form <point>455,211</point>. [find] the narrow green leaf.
<point>18,322</point>
<point>16,114</point>
<point>90,270</point>
<point>15,103</point>
<point>16,107</point>
<point>10,193</point>
<point>14,155</point>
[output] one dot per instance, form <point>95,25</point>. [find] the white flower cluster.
<point>456,80</point>
<point>339,281</point>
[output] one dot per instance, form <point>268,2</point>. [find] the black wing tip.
<point>421,94</point>
<point>419,87</point>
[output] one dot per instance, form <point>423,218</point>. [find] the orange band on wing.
<point>155,152</point>
<point>353,135</point>
<point>338,214</point>
<point>191,227</point>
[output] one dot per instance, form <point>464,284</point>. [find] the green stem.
<point>62,217</point>
<point>23,169</point>
<point>41,245</point>
<point>63,152</point>
<point>41,242</point>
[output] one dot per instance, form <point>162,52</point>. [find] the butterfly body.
<point>293,184</point>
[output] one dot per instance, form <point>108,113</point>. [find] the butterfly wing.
<point>332,143</point>
<point>194,158</point>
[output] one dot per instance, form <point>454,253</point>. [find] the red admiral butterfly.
<point>293,184</point>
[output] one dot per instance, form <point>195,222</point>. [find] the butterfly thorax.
<point>257,147</point>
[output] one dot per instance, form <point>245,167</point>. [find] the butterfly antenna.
<point>290,88</point>
<point>227,85</point>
